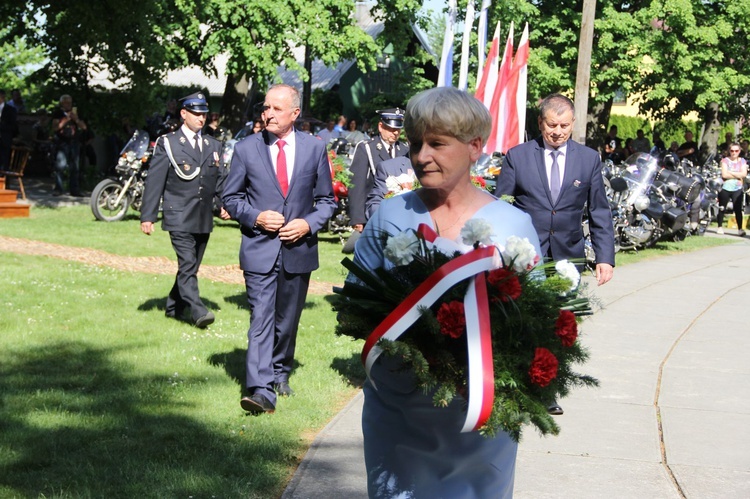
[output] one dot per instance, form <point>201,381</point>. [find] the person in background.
<point>328,133</point>
<point>744,149</point>
<point>172,112</point>
<point>641,143</point>
<point>67,125</point>
<point>185,173</point>
<point>366,157</point>
<point>214,129</point>
<point>8,130</point>
<point>556,180</point>
<point>279,190</point>
<point>733,171</point>
<point>659,146</point>
<point>689,149</point>
<point>16,100</point>
<point>613,146</point>
<point>340,127</point>
<point>354,136</point>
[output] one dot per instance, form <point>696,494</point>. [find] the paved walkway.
<point>670,418</point>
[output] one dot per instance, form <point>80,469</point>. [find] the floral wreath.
<point>491,325</point>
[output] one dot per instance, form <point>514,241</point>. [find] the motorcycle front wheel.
<point>104,203</point>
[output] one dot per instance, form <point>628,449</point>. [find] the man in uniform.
<point>185,170</point>
<point>367,156</point>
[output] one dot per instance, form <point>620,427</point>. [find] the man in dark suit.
<point>8,130</point>
<point>554,179</point>
<point>389,168</point>
<point>185,170</point>
<point>367,156</point>
<point>279,190</point>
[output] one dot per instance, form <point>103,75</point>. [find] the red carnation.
<point>566,327</point>
<point>543,368</point>
<point>506,282</point>
<point>452,319</point>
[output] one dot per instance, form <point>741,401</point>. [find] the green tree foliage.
<point>18,62</point>
<point>131,43</point>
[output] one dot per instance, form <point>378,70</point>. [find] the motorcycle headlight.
<point>130,155</point>
<point>122,162</point>
<point>641,203</point>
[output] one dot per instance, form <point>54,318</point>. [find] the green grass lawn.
<point>103,396</point>
<point>76,226</point>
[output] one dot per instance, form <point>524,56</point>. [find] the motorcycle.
<point>112,197</point>
<point>340,222</point>
<point>641,212</point>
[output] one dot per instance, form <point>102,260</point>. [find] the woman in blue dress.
<point>412,448</point>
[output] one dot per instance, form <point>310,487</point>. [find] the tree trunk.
<point>233,108</point>
<point>583,77</point>
<point>596,126</point>
<point>712,130</point>
<point>307,85</point>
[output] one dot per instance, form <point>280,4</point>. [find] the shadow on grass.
<point>351,369</point>
<point>161,304</point>
<point>73,423</point>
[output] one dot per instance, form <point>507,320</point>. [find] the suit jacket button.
<point>552,232</point>
<point>554,212</point>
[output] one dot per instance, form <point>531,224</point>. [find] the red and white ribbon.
<point>481,383</point>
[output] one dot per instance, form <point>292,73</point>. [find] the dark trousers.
<point>184,294</point>
<point>67,158</point>
<point>736,197</point>
<point>276,300</point>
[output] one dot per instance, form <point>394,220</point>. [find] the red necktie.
<point>281,168</point>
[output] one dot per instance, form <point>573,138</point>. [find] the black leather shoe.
<point>204,321</point>
<point>257,404</point>
<point>555,409</point>
<point>283,389</point>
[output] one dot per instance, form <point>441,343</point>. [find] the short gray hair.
<point>294,93</point>
<point>446,111</point>
<point>557,103</point>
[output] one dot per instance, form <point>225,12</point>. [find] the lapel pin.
<point>576,183</point>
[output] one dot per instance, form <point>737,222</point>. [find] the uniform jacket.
<point>388,168</point>
<point>363,174</point>
<point>188,204</point>
<point>523,175</point>
<point>252,187</point>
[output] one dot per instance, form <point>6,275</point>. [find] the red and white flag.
<point>515,118</point>
<point>488,80</point>
<point>498,107</point>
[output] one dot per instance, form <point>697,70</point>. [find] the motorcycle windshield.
<point>138,144</point>
<point>640,171</point>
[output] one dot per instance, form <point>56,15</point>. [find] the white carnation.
<point>568,271</point>
<point>521,252</point>
<point>477,230</point>
<point>393,185</point>
<point>400,249</point>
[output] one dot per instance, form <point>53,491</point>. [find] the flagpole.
<point>482,38</point>
<point>445,76</point>
<point>463,75</point>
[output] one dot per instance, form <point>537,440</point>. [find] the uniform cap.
<point>195,102</point>
<point>393,117</point>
